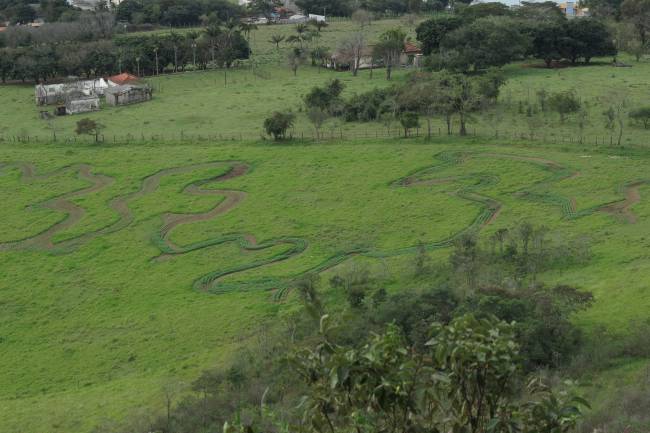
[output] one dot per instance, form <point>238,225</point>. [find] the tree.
<point>589,38</point>
<point>617,102</point>
<point>389,48</point>
<point>319,56</point>
<point>467,380</point>
<point>482,10</point>
<point>351,50</point>
<point>263,7</point>
<point>546,37</point>
<point>338,8</point>
<point>486,42</point>
<point>362,18</point>
<point>409,120</point>
<point>431,32</point>
<point>302,35</point>
<point>317,117</point>
<point>278,124</point>
<point>295,58</point>
<point>325,98</point>
<point>6,63</point>
<point>641,115</point>
<point>564,103</point>
<point>89,127</point>
<point>175,40</point>
<point>637,12</point>
<point>24,14</point>
<point>460,95</point>
<point>277,39</point>
<point>212,33</point>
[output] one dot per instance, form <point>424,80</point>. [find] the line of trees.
<point>217,46</point>
<point>491,34</point>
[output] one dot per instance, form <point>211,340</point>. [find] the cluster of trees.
<point>177,12</point>
<point>23,11</point>
<point>431,359</point>
<point>219,45</point>
<point>443,94</point>
<point>491,34</point>
<point>377,7</point>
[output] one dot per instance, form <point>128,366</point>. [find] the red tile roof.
<point>124,78</point>
<point>411,48</point>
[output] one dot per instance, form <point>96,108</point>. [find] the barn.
<point>80,103</point>
<point>127,94</point>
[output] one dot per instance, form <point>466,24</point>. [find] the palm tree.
<point>276,39</point>
<point>319,54</point>
<point>192,37</point>
<point>247,28</point>
<point>212,32</point>
<point>175,39</point>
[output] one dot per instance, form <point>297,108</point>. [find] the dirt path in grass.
<point>469,186</point>
<point>73,213</point>
<point>232,199</point>
<point>621,209</point>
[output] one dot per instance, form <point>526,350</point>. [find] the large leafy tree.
<point>467,381</point>
<point>492,41</point>
<point>546,40</point>
<point>431,32</point>
<point>637,12</point>
<point>325,7</point>
<point>591,38</point>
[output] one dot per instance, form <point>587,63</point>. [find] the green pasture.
<point>96,329</point>
<point>197,105</point>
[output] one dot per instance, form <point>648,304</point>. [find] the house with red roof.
<point>123,79</point>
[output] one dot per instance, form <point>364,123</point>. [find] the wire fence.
<point>323,136</point>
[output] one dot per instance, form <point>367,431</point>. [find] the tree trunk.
<point>428,128</point>
<point>388,71</point>
<point>463,130</point>
<point>448,120</point>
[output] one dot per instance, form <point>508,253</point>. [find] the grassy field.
<point>91,311</point>
<point>127,267</point>
<point>199,105</point>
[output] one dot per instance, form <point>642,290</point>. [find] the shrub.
<point>409,120</point>
<point>366,107</point>
<point>278,123</point>
<point>641,115</point>
<point>564,103</point>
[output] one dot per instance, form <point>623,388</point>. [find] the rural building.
<point>49,94</point>
<point>92,87</point>
<point>127,94</point>
<point>122,79</point>
<point>411,56</point>
<point>77,103</point>
<point>573,10</point>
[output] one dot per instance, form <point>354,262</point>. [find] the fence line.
<point>325,135</point>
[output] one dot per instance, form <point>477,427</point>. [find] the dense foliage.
<point>489,34</point>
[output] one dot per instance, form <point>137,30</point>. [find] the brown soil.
<point>61,203</point>
<point>120,204</point>
<point>232,199</point>
<point>621,209</point>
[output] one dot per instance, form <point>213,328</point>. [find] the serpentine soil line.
<point>61,203</point>
<point>212,282</point>
<point>622,208</point>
